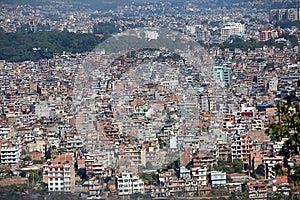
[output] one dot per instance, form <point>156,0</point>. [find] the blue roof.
<point>289,78</point>
<point>265,105</point>
<point>168,125</point>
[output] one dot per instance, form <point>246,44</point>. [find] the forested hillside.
<point>33,46</point>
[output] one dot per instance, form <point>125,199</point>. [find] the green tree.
<point>105,28</point>
<point>236,166</point>
<point>22,46</point>
<point>149,179</point>
<point>149,165</point>
<point>279,170</point>
<point>27,158</point>
<point>287,127</point>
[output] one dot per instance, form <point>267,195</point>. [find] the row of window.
<point>55,169</point>
<point>55,174</point>
<point>56,179</point>
<point>130,191</point>
<point>55,189</point>
<point>129,185</point>
<point>51,184</point>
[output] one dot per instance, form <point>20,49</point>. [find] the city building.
<point>9,154</point>
<point>128,184</point>
<point>60,177</point>
<point>232,29</point>
<point>217,178</point>
<point>222,73</point>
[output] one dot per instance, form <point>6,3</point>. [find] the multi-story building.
<point>217,178</point>
<point>199,174</point>
<point>59,174</point>
<point>290,14</point>
<point>232,29</point>
<point>236,150</point>
<point>6,132</point>
<point>9,154</point>
<point>224,151</point>
<point>202,33</point>
<point>222,73</point>
<point>247,148</point>
<point>269,164</point>
<point>204,103</point>
<point>60,177</point>
<point>128,184</point>
<point>267,34</point>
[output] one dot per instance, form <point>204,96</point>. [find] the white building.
<point>60,177</point>
<point>217,178</point>
<point>9,154</point>
<point>232,29</point>
<point>200,175</point>
<point>6,132</point>
<point>273,83</point>
<point>128,184</point>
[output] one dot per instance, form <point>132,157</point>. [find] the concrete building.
<point>267,34</point>
<point>199,174</point>
<point>217,178</point>
<point>290,14</point>
<point>60,177</point>
<point>9,154</point>
<point>222,73</point>
<point>128,184</point>
<point>6,132</point>
<point>231,29</point>
<point>42,109</point>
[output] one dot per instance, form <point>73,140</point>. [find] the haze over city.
<point>149,99</point>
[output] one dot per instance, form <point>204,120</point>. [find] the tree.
<point>149,166</point>
<point>105,28</point>
<point>149,179</point>
<point>22,46</point>
<point>236,166</point>
<point>27,158</point>
<point>287,127</point>
<point>279,170</point>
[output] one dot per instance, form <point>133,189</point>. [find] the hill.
<point>16,47</point>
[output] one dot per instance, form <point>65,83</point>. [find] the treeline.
<point>287,24</point>
<point>105,28</point>
<point>17,47</point>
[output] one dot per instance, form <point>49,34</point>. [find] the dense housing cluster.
<point>151,113</point>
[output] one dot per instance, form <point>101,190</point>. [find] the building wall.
<point>128,184</point>
<point>9,154</point>
<point>217,178</point>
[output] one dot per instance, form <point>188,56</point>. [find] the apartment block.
<point>127,184</point>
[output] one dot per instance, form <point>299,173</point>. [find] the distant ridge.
<point>113,4</point>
